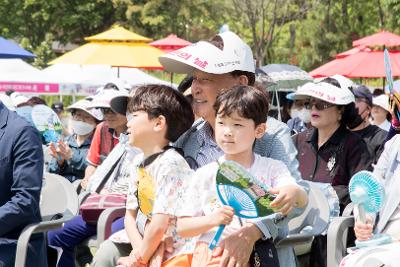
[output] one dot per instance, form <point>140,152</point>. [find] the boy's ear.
<point>160,123</point>
<point>260,130</point>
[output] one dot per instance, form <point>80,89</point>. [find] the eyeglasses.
<point>106,111</point>
<point>319,105</point>
<point>80,115</point>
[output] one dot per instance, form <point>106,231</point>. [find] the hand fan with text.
<point>247,195</point>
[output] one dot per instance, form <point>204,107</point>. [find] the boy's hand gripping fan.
<point>394,96</point>
<point>47,123</point>
<point>238,188</point>
<point>368,194</point>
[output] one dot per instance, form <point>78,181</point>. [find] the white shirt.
<point>202,197</point>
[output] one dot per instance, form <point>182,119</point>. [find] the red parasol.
<point>382,38</point>
<point>364,64</point>
<point>170,43</point>
<point>352,51</point>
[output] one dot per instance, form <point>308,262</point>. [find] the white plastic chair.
<point>58,204</point>
<point>312,222</point>
<point>337,236</point>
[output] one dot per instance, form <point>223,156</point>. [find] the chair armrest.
<point>77,184</point>
<point>107,217</point>
<point>337,239</point>
<point>23,240</point>
<point>294,239</point>
<point>348,210</point>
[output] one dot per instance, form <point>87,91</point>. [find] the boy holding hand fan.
<point>241,114</point>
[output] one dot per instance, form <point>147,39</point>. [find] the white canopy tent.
<point>88,78</point>
<point>17,75</point>
<point>67,79</point>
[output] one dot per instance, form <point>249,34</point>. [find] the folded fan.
<point>394,103</point>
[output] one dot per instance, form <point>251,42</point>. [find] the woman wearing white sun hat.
<point>69,155</point>
<point>329,153</point>
<point>380,112</point>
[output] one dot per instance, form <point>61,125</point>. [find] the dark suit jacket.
<point>21,173</point>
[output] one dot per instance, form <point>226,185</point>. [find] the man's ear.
<point>160,123</point>
<point>260,130</point>
<point>243,80</point>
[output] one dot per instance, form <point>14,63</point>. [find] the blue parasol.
<point>9,49</point>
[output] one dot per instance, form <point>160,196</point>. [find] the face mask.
<point>304,114</point>
<point>80,127</point>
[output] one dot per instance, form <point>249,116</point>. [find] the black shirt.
<point>375,138</point>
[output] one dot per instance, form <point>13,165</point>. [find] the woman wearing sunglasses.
<point>329,153</point>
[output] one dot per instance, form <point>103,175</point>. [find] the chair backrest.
<point>315,218</point>
<point>58,196</point>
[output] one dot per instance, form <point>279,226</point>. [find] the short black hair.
<point>331,81</point>
<point>248,101</point>
<point>156,100</point>
<point>185,84</point>
<point>251,77</point>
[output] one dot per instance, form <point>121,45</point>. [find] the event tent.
<point>17,75</point>
<point>89,77</point>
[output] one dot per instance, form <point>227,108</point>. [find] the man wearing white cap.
<point>223,62</point>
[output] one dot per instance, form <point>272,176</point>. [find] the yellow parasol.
<point>117,47</point>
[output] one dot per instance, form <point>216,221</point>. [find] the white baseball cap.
<point>204,56</point>
<point>6,100</point>
<point>343,81</point>
<point>104,97</point>
<point>18,99</point>
<point>84,105</point>
<point>326,92</point>
<point>381,101</point>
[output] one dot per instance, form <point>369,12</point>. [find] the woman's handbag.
<point>94,205</point>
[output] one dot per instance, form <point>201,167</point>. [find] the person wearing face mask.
<point>300,115</point>
<point>69,154</point>
<point>373,136</point>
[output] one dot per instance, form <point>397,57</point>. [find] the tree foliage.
<point>301,32</point>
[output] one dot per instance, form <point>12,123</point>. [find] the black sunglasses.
<point>320,105</point>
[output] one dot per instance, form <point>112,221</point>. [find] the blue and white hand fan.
<point>248,196</point>
<point>369,195</point>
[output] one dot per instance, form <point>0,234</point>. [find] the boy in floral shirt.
<point>157,115</point>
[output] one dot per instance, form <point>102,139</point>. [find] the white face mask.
<point>80,127</point>
<point>303,114</point>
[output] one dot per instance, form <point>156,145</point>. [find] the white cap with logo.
<point>325,92</point>
<point>204,56</point>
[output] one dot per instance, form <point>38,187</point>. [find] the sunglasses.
<point>319,105</point>
<point>106,111</point>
